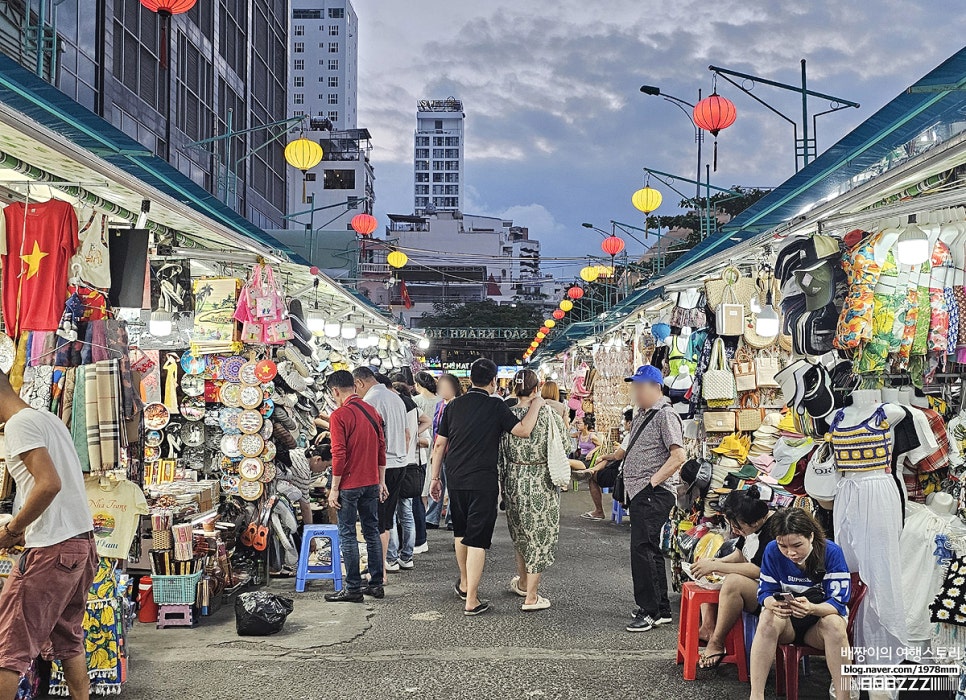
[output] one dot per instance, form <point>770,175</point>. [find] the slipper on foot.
<point>591,516</point>
<point>541,604</point>
<point>515,587</point>
<point>479,609</point>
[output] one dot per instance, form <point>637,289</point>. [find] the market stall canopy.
<point>935,103</point>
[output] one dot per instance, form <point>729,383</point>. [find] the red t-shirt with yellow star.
<point>35,261</point>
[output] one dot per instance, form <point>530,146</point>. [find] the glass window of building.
<point>299,47</point>
<point>298,64</point>
<point>333,81</point>
<point>333,64</point>
<point>298,81</point>
<point>333,47</point>
<point>336,13</point>
<point>339,179</point>
<point>298,98</point>
<point>333,98</point>
<point>334,30</point>
<point>299,30</point>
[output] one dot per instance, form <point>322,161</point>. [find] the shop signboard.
<point>479,333</point>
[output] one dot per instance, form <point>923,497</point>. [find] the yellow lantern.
<point>541,335</point>
<point>550,323</point>
<point>303,154</point>
<point>566,305</point>
<point>590,273</point>
<point>646,199</point>
<point>397,259</point>
<point>605,271</point>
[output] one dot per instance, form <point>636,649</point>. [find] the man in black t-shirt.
<point>469,437</point>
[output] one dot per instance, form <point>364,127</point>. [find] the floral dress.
<point>532,501</point>
<point>862,271</point>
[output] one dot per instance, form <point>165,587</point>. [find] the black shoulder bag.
<point>620,491</point>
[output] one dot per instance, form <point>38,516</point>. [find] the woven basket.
<point>161,539</point>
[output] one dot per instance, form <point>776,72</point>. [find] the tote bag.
<point>718,383</point>
<point>557,461</point>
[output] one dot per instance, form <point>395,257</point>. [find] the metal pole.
<point>228,156</point>
<point>804,118</point>
<point>707,199</point>
<point>41,13</point>
<point>700,137</point>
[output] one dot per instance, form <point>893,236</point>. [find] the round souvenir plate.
<point>231,395</point>
<point>268,390</point>
<point>153,438</point>
<point>250,490</point>
<point>266,370</point>
<point>267,409</point>
<point>251,468</point>
<point>193,408</point>
<point>152,454</point>
<point>248,374</point>
<point>269,473</point>
<point>268,454</point>
<point>229,484</point>
<point>251,445</point>
<point>229,446</point>
<point>193,434</point>
<point>267,429</point>
<point>250,422</point>
<point>229,420</point>
<point>251,396</point>
<point>213,436</point>
<point>156,416</point>
<point>192,384</point>
<point>193,365</point>
<point>231,367</point>
<point>228,465</point>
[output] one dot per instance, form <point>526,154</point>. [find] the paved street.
<point>416,642</point>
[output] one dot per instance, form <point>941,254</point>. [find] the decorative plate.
<point>268,454</point>
<point>192,384</point>
<point>193,408</point>
<point>267,429</point>
<point>193,365</point>
<point>231,395</point>
<point>152,454</point>
<point>269,473</point>
<point>250,490</point>
<point>251,468</point>
<point>248,374</point>
<point>229,484</point>
<point>229,446</point>
<point>193,434</point>
<point>229,420</point>
<point>156,416</point>
<point>231,368</point>
<point>250,422</point>
<point>267,409</point>
<point>269,390</point>
<point>212,391</point>
<point>266,370</point>
<point>251,445</point>
<point>251,396</point>
<point>153,438</point>
<point>228,465</point>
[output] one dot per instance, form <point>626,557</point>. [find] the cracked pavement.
<point>417,643</point>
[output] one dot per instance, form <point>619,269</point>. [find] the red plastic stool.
<point>689,645</point>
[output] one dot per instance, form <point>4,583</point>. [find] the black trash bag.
<point>260,614</point>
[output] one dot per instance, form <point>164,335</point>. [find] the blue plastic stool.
<point>750,623</point>
<point>315,573</point>
<point>617,513</point>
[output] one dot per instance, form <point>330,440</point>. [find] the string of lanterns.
<point>566,305</point>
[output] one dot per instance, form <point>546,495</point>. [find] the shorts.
<point>43,604</point>
<point>387,509</point>
<point>474,516</point>
<point>801,625</point>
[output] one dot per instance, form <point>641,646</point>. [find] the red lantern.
<point>164,10</point>
<point>612,245</point>
<point>364,224</point>
<point>575,293</point>
<point>713,114</point>
<point>559,314</point>
<point>544,329</point>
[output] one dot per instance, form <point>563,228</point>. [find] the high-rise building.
<point>438,156</point>
<point>324,61</point>
<point>223,65</point>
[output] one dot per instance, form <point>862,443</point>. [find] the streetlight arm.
<point>724,72</point>
<point>261,127</point>
<point>689,180</point>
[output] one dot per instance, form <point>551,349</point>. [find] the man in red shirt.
<point>358,485</point>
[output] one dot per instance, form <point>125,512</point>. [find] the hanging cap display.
<point>804,253</point>
<point>818,284</point>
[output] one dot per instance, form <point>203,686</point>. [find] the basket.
<point>161,539</point>
<point>176,590</point>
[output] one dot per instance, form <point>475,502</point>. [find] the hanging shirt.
<point>41,238</point>
<point>117,507</point>
<point>93,256</point>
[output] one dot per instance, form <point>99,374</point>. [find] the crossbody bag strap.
<point>647,419</point>
<point>372,421</point>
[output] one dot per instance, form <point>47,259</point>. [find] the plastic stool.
<point>750,623</point>
<point>313,573</point>
<point>689,646</point>
<point>617,512</point>
<point>175,616</point>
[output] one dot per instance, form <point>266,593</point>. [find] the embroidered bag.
<point>279,332</point>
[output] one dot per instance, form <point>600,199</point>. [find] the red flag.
<point>404,294</point>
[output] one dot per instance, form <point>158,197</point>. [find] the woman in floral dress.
<point>532,501</point>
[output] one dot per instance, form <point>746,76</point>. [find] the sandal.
<point>711,661</point>
<point>541,604</point>
<point>590,516</point>
<point>515,587</point>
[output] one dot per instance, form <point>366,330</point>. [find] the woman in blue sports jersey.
<point>803,590</point>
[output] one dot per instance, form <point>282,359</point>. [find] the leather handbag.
<point>718,383</point>
<point>720,421</point>
<point>766,367</point>
<point>743,368</point>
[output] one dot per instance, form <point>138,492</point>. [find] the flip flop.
<point>541,604</point>
<point>711,661</point>
<point>479,609</point>
<point>461,593</point>
<point>515,587</point>
<point>591,516</point>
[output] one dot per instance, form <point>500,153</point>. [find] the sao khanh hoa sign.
<point>479,333</point>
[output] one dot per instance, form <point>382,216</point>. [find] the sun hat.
<point>818,401</point>
<point>729,463</point>
<point>732,446</point>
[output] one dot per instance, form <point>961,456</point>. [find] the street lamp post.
<point>698,132</point>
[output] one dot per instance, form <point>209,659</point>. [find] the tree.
<point>483,314</point>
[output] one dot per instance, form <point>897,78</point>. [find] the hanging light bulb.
<point>372,341</point>
<point>912,247</point>
<point>315,322</point>
<point>349,332</point>
<point>423,344</point>
<point>332,330</point>
<point>766,322</point>
<point>160,325</point>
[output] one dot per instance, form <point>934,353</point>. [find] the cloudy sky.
<point>557,130</point>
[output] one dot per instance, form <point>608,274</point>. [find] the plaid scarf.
<point>91,419</point>
<point>109,420</point>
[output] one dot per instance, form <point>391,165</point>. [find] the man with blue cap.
<point>653,457</point>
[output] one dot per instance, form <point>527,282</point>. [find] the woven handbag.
<point>748,418</point>
<point>766,367</point>
<point>745,289</point>
<point>557,462</point>
<point>718,383</point>
<point>743,367</point>
<point>719,421</point>
<point>729,315</point>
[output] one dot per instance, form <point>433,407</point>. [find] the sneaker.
<point>663,619</point>
<point>642,623</point>
<point>345,596</point>
<point>421,549</point>
<point>392,567</point>
<point>405,565</point>
<point>375,592</point>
